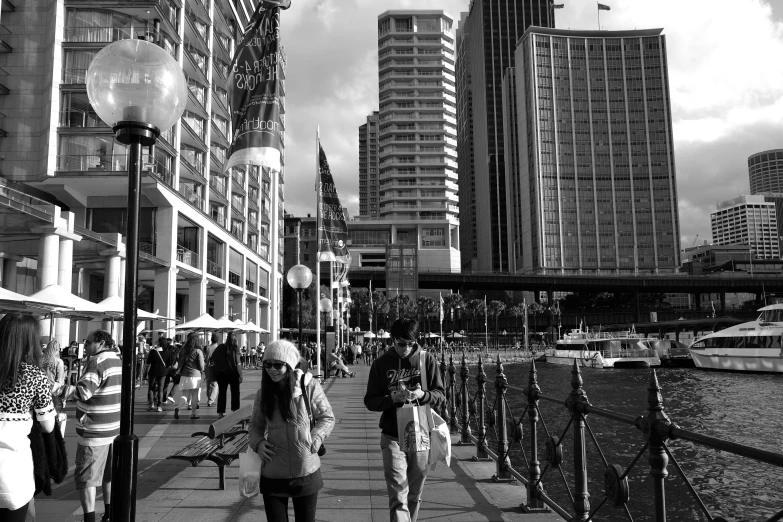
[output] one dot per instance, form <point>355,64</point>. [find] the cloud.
<point>724,74</point>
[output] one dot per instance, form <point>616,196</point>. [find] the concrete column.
<point>9,273</point>
<point>48,259</point>
<point>65,279</point>
<point>238,302</point>
<point>112,275</point>
<point>81,289</point>
<point>221,302</point>
<point>252,316</point>
<point>165,298</point>
<point>197,298</point>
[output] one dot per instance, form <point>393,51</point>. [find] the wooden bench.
<point>221,444</point>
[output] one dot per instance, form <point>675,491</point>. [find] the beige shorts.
<point>93,466</point>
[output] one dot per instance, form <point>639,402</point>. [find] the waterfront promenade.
<point>354,488</point>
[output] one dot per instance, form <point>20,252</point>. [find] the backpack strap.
<point>306,400</point>
<point>422,373</point>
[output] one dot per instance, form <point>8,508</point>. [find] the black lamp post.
<point>325,307</point>
<point>138,89</point>
<point>299,277</point>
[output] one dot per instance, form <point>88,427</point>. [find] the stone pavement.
<point>354,488</point>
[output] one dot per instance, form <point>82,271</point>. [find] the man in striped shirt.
<point>97,396</point>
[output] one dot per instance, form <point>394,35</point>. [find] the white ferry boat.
<point>603,350</point>
<point>755,346</point>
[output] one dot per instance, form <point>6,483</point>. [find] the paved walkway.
<point>354,488</point>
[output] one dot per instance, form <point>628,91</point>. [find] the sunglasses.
<point>276,365</point>
<point>403,344</point>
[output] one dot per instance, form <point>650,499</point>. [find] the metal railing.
<point>214,269</point>
<point>190,195</point>
<point>85,162</point>
<point>16,196</point>
<point>234,278</point>
<point>187,256</point>
<point>93,34</point>
<point>219,185</point>
<point>74,75</point>
<point>465,412</point>
<point>86,119</point>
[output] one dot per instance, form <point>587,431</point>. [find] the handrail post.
<point>534,486</point>
<point>464,375</point>
<point>444,408</point>
<point>481,443</point>
<point>575,404</point>
<point>503,462</point>
<point>452,389</point>
<point>656,428</point>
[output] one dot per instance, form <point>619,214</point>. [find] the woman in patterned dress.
<point>24,387</point>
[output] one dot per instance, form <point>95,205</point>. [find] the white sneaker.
<point>170,399</point>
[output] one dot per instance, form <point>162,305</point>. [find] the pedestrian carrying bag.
<point>322,449</point>
<point>414,421</point>
<point>440,442</point>
<point>249,473</point>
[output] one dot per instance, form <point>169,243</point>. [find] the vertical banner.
<point>254,91</point>
<point>332,230</point>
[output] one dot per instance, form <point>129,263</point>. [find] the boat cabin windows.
<point>760,341</point>
<point>772,316</point>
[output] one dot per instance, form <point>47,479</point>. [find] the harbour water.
<point>742,408</point>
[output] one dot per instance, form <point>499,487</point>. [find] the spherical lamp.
<point>299,277</point>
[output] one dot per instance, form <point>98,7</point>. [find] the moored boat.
<point>755,346</point>
<point>603,350</point>
<point>673,354</point>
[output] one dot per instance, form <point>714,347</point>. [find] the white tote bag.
<point>249,473</point>
<point>440,442</point>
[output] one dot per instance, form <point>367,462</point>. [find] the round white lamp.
<point>299,277</point>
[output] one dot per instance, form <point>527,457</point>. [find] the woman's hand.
<point>264,450</point>
<point>316,445</point>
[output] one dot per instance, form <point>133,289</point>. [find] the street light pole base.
<point>125,464</point>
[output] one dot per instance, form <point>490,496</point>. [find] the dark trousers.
<point>223,382</point>
<point>155,392</point>
<point>277,508</point>
<point>19,515</point>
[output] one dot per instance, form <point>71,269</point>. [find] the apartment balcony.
<point>219,187</point>
<point>192,197</point>
<point>155,168</point>
<point>195,62</point>
<point>188,257</point>
<point>103,35</point>
<point>73,76</point>
<point>218,216</point>
<point>234,278</point>
<point>194,169</point>
<point>219,133</point>
<point>238,183</point>
<point>92,162</point>
<point>215,269</point>
<point>250,286</point>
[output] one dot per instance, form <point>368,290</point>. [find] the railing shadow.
<point>487,422</point>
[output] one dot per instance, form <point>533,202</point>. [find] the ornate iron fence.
<point>471,414</point>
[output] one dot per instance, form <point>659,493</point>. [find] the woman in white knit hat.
<point>284,435</point>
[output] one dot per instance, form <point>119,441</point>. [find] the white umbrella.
<point>430,335</point>
<point>115,309</point>
<point>11,301</point>
<point>226,325</point>
<point>67,304</point>
<point>255,329</point>
<point>369,335</point>
<point>385,335</point>
<point>202,322</point>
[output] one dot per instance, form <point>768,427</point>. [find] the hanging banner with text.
<point>254,90</point>
<point>332,230</point>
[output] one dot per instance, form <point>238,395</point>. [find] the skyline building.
<point>597,187</point>
<point>487,36</point>
<point>210,241</point>
<point>749,221</point>
<point>765,171</point>
<point>368,167</point>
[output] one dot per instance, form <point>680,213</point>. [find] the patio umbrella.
<point>203,322</point>
<point>430,335</point>
<point>67,304</point>
<point>115,309</point>
<point>226,325</point>
<point>455,335</point>
<point>385,335</point>
<point>369,335</point>
<point>11,301</point>
<point>252,328</point>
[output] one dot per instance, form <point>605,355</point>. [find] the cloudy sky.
<point>725,71</point>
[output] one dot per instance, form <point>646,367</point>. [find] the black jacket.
<point>385,376</point>
<point>224,364</point>
<point>50,460</point>
<point>158,365</point>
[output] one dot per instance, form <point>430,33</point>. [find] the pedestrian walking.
<point>54,368</point>
<point>158,362</point>
<point>209,372</point>
<point>97,397</point>
<point>24,389</point>
<point>396,378</point>
<point>283,435</point>
<point>190,368</point>
<point>228,373</point>
<point>171,375</point>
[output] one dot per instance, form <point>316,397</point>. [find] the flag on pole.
<point>255,91</point>
<point>486,311</point>
<point>603,7</point>
<point>371,296</point>
<point>332,230</point>
<point>441,307</point>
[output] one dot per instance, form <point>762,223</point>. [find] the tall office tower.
<point>747,220</point>
<point>418,124</point>
<point>487,35</point>
<point>765,170</point>
<point>598,190</point>
<point>368,167</point>
<point>210,241</point>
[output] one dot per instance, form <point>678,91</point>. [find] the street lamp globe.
<point>299,277</point>
<point>136,81</point>
<point>325,305</point>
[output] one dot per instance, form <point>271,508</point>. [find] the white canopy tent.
<point>204,322</point>
<point>14,302</point>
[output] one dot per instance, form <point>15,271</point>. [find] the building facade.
<point>749,221</point>
<point>597,187</point>
<point>765,170</point>
<point>487,37</point>
<point>368,167</point>
<point>210,241</point>
<point>418,147</point>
